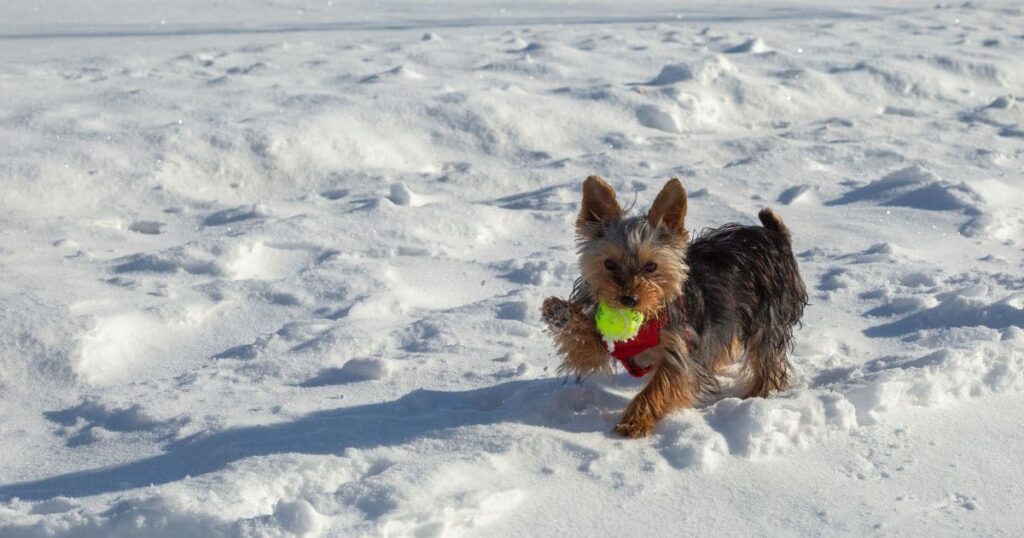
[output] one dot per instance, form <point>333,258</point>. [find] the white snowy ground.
<point>271,271</point>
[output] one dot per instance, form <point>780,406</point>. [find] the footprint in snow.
<point>91,420</point>
<point>146,227</point>
<point>335,194</point>
<point>237,214</point>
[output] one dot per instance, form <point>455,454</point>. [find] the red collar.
<point>647,337</point>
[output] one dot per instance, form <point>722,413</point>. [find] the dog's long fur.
<point>733,290</point>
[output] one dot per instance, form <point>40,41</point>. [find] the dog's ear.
<point>599,206</point>
<point>669,208</point>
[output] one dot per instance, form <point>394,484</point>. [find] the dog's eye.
<point>610,265</point>
<point>650,267</point>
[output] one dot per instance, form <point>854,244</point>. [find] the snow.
<point>274,269</point>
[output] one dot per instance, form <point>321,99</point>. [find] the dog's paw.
<point>635,427</point>
<point>557,313</point>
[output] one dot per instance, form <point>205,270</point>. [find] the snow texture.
<point>274,269</point>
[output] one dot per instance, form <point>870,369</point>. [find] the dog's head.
<point>633,261</point>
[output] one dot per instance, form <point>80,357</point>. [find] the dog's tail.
<point>772,221</point>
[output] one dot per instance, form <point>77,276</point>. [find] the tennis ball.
<point>617,324</point>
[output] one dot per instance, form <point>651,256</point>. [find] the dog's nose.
<point>629,300</point>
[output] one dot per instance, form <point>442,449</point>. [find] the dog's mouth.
<point>649,310</point>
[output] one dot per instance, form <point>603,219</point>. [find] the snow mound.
<point>958,311</point>
<point>937,379</point>
<point>754,429</point>
<point>400,72</point>
<point>704,71</point>
<point>189,259</point>
<point>914,187</point>
<point>754,45</point>
<point>671,74</point>
<point>354,370</point>
<point>798,194</point>
<point>262,261</point>
<point>118,346</point>
<point>298,517</point>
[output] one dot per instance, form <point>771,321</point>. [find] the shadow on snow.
<point>419,414</point>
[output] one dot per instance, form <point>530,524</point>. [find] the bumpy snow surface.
<point>274,268</point>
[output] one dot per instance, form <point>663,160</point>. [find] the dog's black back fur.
<point>744,285</point>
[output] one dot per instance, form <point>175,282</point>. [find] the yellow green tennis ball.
<point>617,324</point>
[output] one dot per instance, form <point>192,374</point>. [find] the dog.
<point>732,291</point>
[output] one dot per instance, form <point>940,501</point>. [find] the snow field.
<point>286,283</point>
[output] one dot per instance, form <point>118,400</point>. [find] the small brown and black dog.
<point>732,291</point>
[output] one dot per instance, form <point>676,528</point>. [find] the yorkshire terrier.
<point>732,291</point>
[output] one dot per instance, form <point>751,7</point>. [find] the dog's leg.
<point>726,355</point>
<point>677,382</point>
<point>767,370</point>
<point>576,338</point>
